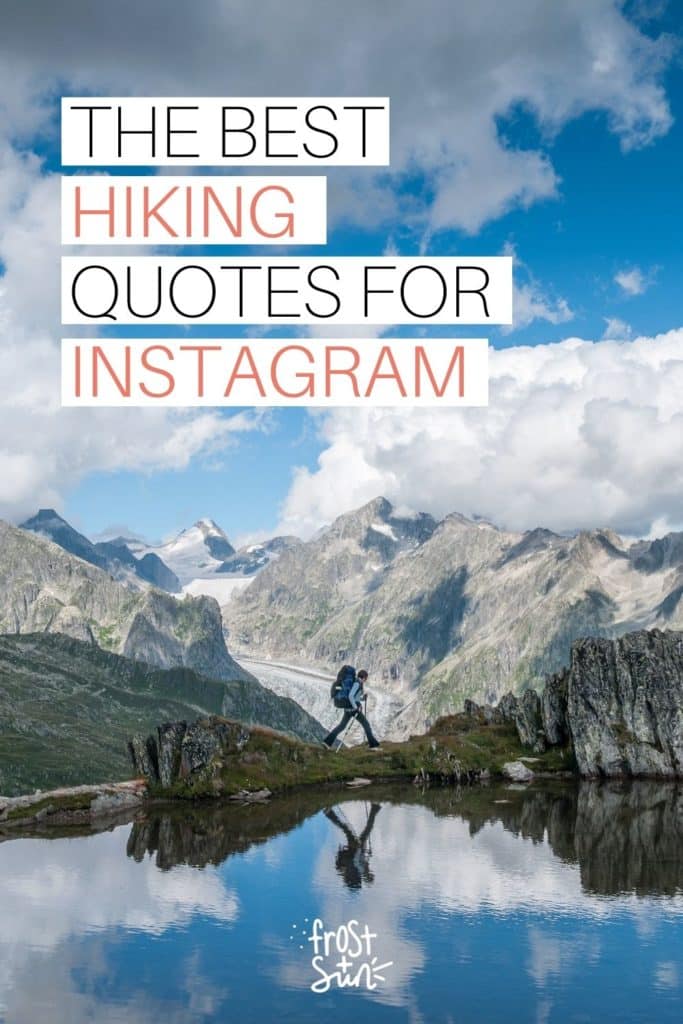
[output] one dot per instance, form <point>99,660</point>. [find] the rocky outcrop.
<point>69,806</point>
<point>620,704</point>
<point>182,753</point>
<point>529,723</point>
<point>507,707</point>
<point>484,713</point>
<point>215,756</point>
<point>168,751</point>
<point>554,709</point>
<point>625,705</point>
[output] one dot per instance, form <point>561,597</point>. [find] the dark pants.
<point>348,715</point>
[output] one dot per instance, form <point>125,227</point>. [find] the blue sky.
<point>600,206</point>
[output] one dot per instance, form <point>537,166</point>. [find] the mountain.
<point>196,552</point>
<point>44,589</point>
<point>208,564</point>
<point>249,560</point>
<point>49,524</point>
<point>442,612</point>
<point>115,556</point>
<point>292,599</point>
<point>67,709</point>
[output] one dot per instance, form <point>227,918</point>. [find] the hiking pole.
<point>340,737</point>
<point>342,734</point>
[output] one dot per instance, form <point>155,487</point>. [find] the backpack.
<point>341,687</point>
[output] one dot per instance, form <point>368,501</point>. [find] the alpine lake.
<point>548,904</point>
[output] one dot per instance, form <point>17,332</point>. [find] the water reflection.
<point>551,903</point>
<point>353,858</point>
<point>624,838</point>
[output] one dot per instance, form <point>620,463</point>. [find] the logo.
<point>344,957</point>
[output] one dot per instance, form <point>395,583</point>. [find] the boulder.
<point>517,772</point>
<point>625,705</point>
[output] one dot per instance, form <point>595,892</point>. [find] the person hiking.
<point>353,860</point>
<point>349,693</point>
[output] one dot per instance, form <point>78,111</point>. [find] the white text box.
<point>217,131</point>
<point>275,372</point>
<point>100,209</point>
<point>286,290</point>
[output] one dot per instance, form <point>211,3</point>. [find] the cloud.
<point>455,870</point>
<point>45,449</point>
<point>530,300</point>
<point>472,67</point>
<point>616,329</point>
<point>576,435</point>
<point>449,94</point>
<point>633,281</point>
<point>666,975</point>
<point>530,304</point>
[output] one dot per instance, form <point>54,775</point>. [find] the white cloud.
<point>666,975</point>
<point>576,435</point>
<point>633,281</point>
<point>449,867</point>
<point>530,303</point>
<point>616,329</point>
<point>45,449</point>
<point>473,66</point>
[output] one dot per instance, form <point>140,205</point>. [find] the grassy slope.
<point>68,709</point>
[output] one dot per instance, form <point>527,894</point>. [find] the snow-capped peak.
<point>195,552</point>
<point>209,526</point>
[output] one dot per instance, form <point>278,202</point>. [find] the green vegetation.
<point>105,636</point>
<point>68,709</point>
<point>54,804</point>
<point>456,749</point>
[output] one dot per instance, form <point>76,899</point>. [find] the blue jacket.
<point>356,694</point>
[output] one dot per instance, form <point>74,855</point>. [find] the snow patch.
<point>385,529</point>
<point>220,587</point>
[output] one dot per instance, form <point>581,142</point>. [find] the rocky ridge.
<point>43,588</point>
<point>619,704</point>
<point>114,556</point>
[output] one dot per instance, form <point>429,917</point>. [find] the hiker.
<point>353,860</point>
<point>348,693</point>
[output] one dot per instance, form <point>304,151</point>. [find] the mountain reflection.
<point>562,901</point>
<point>625,838</point>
